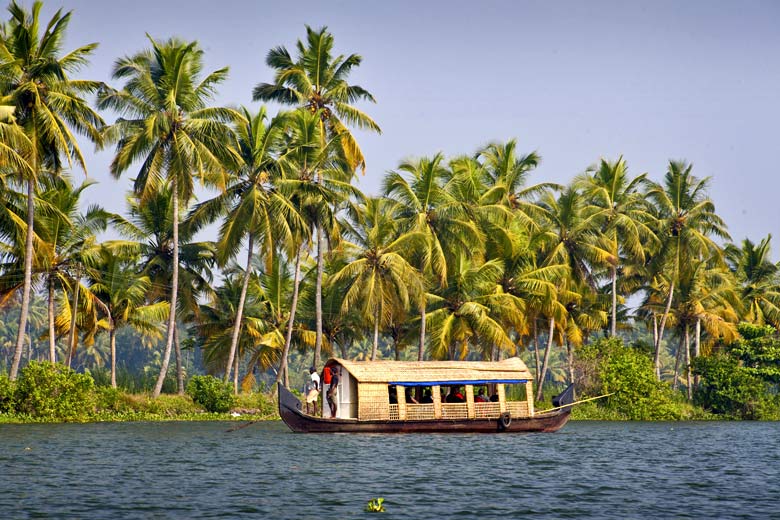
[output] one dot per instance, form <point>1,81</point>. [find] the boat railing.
<point>517,408</point>
<point>419,412</point>
<point>487,410</point>
<point>454,411</point>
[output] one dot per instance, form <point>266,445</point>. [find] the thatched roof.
<point>452,372</point>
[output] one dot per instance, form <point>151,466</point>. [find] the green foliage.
<point>729,389</point>
<point>759,351</point>
<point>375,505</point>
<point>607,366</point>
<point>54,392</point>
<point>6,394</point>
<point>211,393</point>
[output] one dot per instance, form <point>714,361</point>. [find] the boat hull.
<point>297,421</point>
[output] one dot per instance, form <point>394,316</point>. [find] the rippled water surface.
<point>198,470</point>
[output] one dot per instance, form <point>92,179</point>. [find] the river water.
<point>198,470</point>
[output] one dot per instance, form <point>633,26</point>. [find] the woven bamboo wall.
<point>487,410</point>
<point>517,408</point>
<point>470,401</point>
<point>454,411</point>
<point>373,401</point>
<point>419,412</point>
<point>436,394</point>
<point>529,393</point>
<point>501,396</point>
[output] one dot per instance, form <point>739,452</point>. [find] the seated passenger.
<point>427,398</point>
<point>410,396</point>
<point>481,397</point>
<point>455,396</point>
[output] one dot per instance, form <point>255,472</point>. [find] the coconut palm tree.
<point>316,81</point>
<point>378,278</point>
<point>425,206</point>
<point>686,223</point>
<point>166,124</point>
<point>254,208</point>
<point>48,106</point>
<point>625,218</point>
<point>757,279</point>
<point>122,295</point>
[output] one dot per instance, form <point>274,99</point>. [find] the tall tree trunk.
<point>179,364</point>
<point>421,348</point>
<point>112,341</point>
<point>235,376</point>
<point>680,347</point>
<point>73,311</point>
<point>240,310</point>
<point>689,389</point>
<point>318,299</point>
<point>697,349</point>
<point>166,359</point>
<point>540,387</point>
<point>28,254</point>
<point>655,330</point>
<point>290,323</point>
<point>376,334</point>
<point>538,363</point>
<point>52,337</point>
<point>613,330</point>
<point>660,338</point>
<point>570,360</point>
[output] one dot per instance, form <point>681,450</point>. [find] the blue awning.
<point>466,382</point>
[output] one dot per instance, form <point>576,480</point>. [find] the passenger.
<point>393,394</point>
<point>313,391</point>
<point>494,398</point>
<point>410,397</point>
<point>455,396</point>
<point>481,397</point>
<point>427,398</point>
<point>334,383</point>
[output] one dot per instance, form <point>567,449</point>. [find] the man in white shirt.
<point>314,390</point>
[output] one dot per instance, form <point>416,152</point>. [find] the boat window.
<point>393,394</point>
<point>515,392</point>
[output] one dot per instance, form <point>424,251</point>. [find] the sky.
<point>574,81</point>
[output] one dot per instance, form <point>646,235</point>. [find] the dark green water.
<point>197,470</point>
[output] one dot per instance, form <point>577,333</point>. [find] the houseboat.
<point>426,396</point>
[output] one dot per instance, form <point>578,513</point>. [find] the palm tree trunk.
<point>655,329</point>
<point>540,387</point>
<point>376,334</point>
<point>659,339</point>
<point>73,311</point>
<point>318,299</point>
<point>112,341</point>
<point>538,362</point>
<point>174,292</point>
<point>421,348</point>
<point>676,382</point>
<point>689,389</point>
<point>293,307</point>
<point>52,338</point>
<point>239,310</point>
<point>235,376</point>
<point>179,364</point>
<point>28,254</point>
<point>570,360</point>
<point>613,330</point>
<point>697,349</point>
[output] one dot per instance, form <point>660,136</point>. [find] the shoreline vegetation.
<point>458,258</point>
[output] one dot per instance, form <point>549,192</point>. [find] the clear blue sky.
<point>576,81</point>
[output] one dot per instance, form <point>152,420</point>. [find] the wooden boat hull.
<point>293,416</point>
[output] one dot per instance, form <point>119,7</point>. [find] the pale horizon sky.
<point>575,81</point>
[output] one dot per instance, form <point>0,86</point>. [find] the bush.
<point>54,391</point>
<point>6,394</point>
<point>607,366</point>
<point>729,389</point>
<point>211,393</point>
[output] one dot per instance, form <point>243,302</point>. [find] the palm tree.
<point>757,279</point>
<point>172,131</point>
<point>122,295</point>
<point>378,278</point>
<point>686,222</point>
<point>425,206</point>
<point>624,215</point>
<point>150,226</point>
<point>254,207</point>
<point>316,81</point>
<point>34,79</point>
